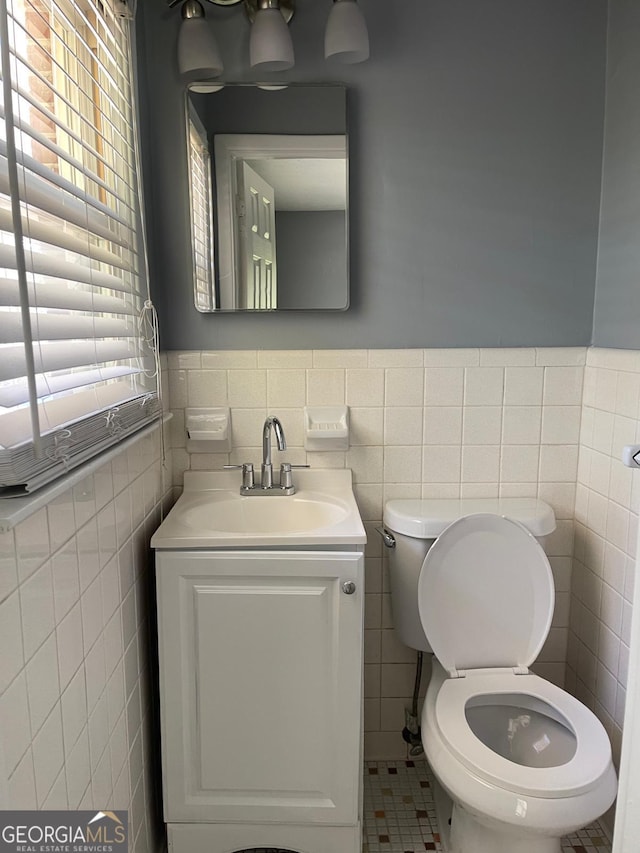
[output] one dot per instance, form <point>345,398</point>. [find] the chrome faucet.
<point>266,486</point>
<point>267,467</point>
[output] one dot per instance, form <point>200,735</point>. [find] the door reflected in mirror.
<point>269,190</point>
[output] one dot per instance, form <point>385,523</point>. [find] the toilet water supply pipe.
<point>411,730</point>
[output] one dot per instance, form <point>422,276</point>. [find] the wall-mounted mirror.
<point>269,198</point>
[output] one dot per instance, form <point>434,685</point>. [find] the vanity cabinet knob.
<point>348,587</point>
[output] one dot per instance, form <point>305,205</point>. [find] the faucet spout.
<point>267,468</point>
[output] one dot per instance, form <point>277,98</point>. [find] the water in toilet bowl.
<point>530,736</point>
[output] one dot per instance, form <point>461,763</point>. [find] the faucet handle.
<point>247,473</point>
<point>285,474</point>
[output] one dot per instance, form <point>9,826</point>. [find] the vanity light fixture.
<point>198,52</point>
<point>270,44</point>
<point>346,38</point>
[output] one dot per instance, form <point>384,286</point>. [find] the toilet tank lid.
<point>426,519</point>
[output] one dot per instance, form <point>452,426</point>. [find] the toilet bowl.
<point>520,762</point>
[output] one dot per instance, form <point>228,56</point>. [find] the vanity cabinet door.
<point>261,685</point>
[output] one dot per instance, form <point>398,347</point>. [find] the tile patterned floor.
<point>399,812</point>
<point>400,816</point>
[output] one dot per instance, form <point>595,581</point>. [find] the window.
<point>77,371</point>
<point>200,191</point>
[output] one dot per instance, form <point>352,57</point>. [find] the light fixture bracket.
<point>287,7</point>
<point>192,9</point>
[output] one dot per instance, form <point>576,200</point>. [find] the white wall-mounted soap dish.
<point>326,428</point>
<point>208,430</point>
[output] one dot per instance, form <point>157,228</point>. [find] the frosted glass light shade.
<point>206,87</point>
<point>346,38</point>
<point>198,52</point>
<point>270,45</point>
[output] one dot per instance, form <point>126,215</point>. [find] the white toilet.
<point>520,762</point>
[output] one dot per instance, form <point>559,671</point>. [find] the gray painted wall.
<point>617,305</point>
<point>475,141</point>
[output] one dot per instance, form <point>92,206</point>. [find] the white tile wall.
<point>74,706</point>
<point>430,423</point>
<point>75,713</point>
<point>606,513</point>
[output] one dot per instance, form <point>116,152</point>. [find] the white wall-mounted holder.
<point>631,455</point>
<point>208,430</point>
<point>326,428</point>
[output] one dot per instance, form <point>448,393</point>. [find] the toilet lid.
<point>485,594</point>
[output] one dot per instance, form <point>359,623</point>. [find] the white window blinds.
<point>200,191</point>
<point>76,370</point>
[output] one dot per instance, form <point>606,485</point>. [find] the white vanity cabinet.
<point>260,655</point>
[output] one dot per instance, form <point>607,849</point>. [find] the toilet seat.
<point>582,773</point>
<point>485,595</point>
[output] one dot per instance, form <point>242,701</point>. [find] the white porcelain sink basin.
<point>211,513</point>
<point>304,511</point>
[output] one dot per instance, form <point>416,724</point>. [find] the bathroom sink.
<point>212,513</point>
<point>304,511</point>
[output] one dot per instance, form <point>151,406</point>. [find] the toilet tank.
<point>415,524</point>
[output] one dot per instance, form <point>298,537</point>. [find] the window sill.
<point>15,510</point>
